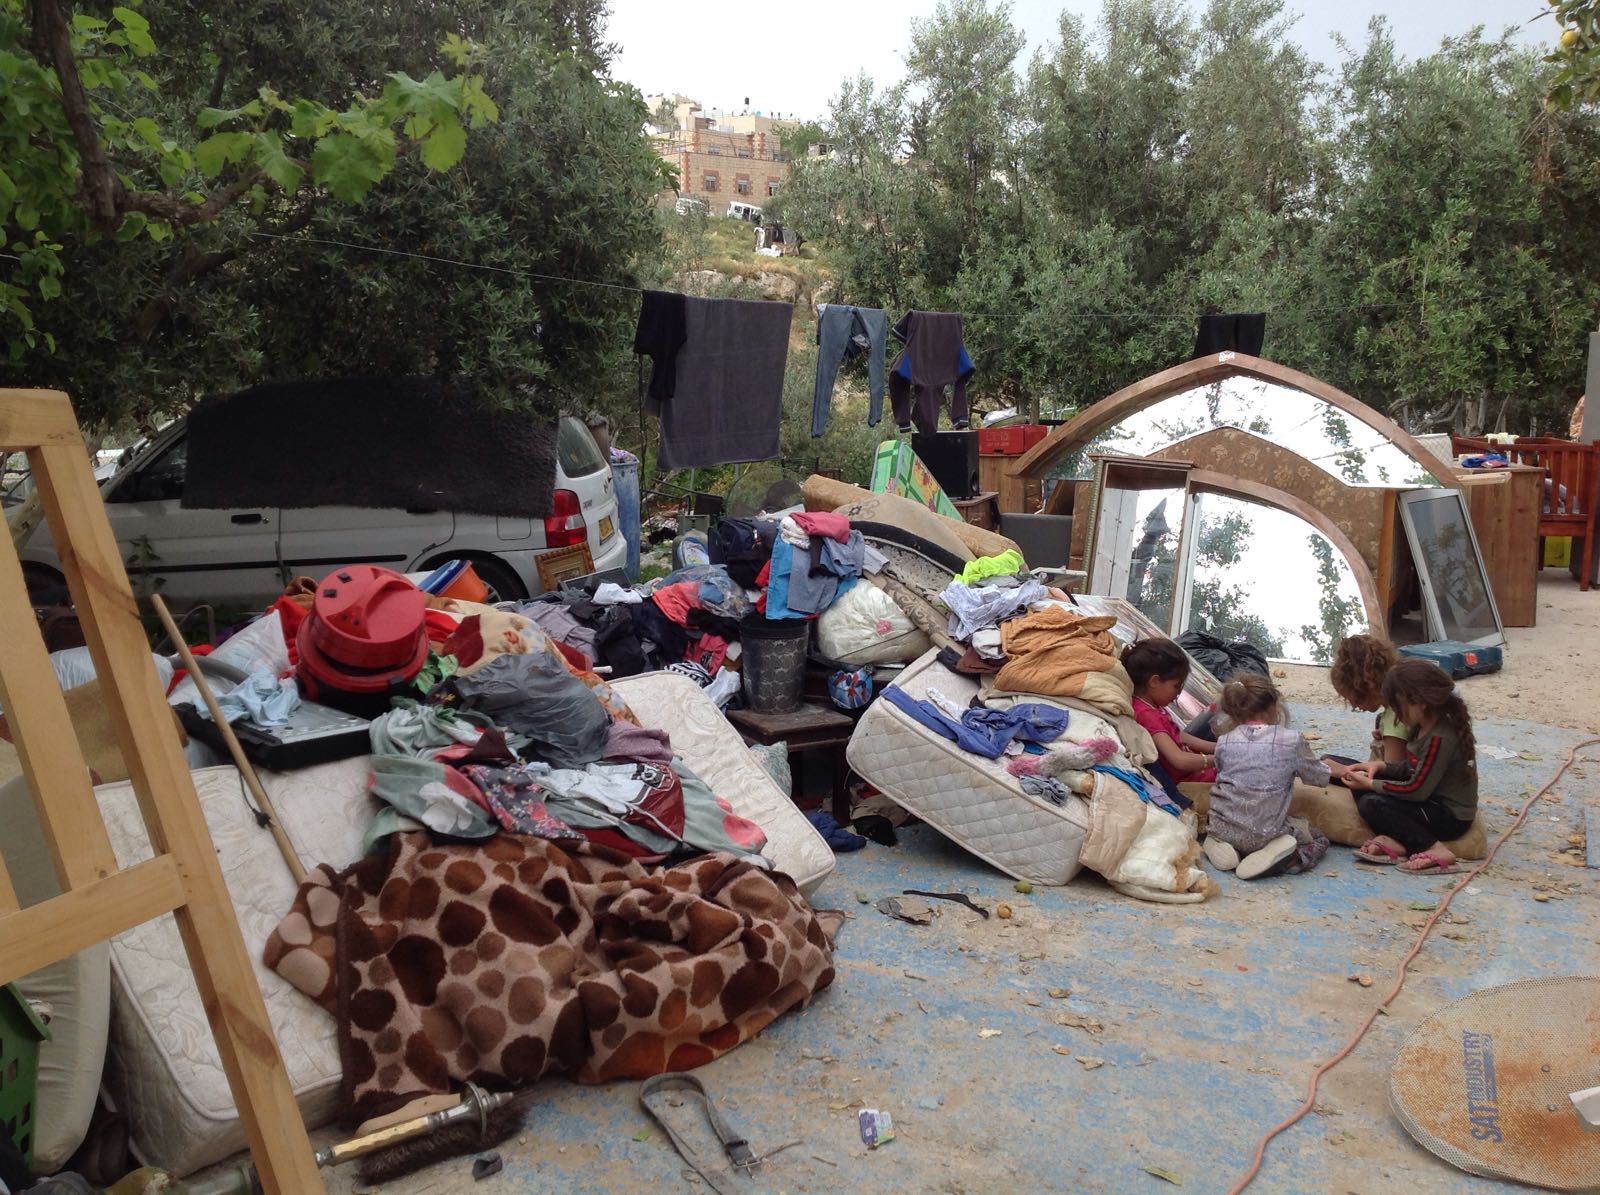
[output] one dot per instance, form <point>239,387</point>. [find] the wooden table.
<point>811,727</point>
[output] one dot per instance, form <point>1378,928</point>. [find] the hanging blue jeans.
<point>625,478</point>
<point>845,332</point>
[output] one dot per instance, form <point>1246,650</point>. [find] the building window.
<point>715,150</point>
<point>772,186</point>
<point>710,180</point>
<point>742,153</point>
<point>742,184</point>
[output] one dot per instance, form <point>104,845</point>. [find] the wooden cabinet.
<point>1504,506</point>
<point>1016,496</point>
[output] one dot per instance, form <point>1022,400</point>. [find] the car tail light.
<point>564,526</point>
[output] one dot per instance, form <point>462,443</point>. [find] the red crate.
<point>1010,441</point>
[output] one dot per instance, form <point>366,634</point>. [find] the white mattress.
<point>971,800</point>
<point>164,1070</point>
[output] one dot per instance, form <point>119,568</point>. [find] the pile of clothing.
<point>513,735</point>
<point>816,558</point>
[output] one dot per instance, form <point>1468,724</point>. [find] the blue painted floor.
<point>1207,1019</point>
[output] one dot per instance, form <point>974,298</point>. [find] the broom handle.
<point>475,1103</point>
<point>246,769</point>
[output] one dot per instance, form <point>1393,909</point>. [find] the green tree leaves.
<point>338,101</point>
<point>221,150</point>
<point>1424,233</point>
<point>78,164</point>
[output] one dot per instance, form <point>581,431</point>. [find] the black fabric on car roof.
<point>385,443</point>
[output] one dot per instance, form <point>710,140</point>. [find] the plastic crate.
<point>21,1031</point>
<point>1012,440</point>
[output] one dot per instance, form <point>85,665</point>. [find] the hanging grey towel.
<point>729,398</point>
<point>380,443</point>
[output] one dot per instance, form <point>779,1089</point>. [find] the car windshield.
<point>580,455</point>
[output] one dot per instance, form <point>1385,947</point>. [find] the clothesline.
<point>437,259</point>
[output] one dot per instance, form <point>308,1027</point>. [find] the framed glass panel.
<point>1457,600</point>
<point>1268,577</point>
<point>1136,548</point>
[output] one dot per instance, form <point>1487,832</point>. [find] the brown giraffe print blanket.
<point>507,960</point>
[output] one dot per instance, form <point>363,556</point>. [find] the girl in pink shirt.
<point>1158,669</point>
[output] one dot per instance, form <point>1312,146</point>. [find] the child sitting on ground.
<point>1251,832</point>
<point>1158,669</point>
<point>1417,806</point>
<point>1359,668</point>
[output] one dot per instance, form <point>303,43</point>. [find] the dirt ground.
<point>1549,673</point>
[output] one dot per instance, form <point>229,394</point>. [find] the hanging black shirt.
<point>661,332</point>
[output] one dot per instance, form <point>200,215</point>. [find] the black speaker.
<point>952,458</point>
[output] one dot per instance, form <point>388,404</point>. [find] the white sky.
<point>791,58</point>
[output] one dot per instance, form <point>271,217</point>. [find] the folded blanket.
<point>1054,650</point>
<point>510,960</point>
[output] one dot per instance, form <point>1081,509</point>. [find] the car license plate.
<point>606,528</point>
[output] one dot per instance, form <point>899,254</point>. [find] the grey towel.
<point>729,398</point>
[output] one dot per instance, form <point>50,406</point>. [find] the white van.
<point>744,211</point>
<point>248,555</point>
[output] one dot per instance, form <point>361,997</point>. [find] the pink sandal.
<point>1378,855</point>
<point>1434,864</point>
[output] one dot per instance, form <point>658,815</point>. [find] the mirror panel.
<point>1136,548</point>
<point>1261,574</point>
<point>1342,445</point>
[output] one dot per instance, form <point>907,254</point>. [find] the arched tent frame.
<point>1081,430</point>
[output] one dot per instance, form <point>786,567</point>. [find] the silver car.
<point>248,555</point>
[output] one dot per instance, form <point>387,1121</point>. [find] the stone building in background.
<point>721,158</point>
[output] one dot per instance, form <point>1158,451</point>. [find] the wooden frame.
<point>1127,474</point>
<point>563,564</point>
<point>1079,431</point>
<point>98,899</point>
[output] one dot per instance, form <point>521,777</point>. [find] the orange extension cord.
<point>1249,1175</point>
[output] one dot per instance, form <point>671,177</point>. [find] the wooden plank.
<point>1504,507</point>
<point>992,471</point>
<point>210,931</point>
<point>1523,559</point>
<point>63,925</point>
<point>1386,535</point>
<point>52,761</point>
<point>32,417</point>
<point>1078,497</point>
<point>8,893</point>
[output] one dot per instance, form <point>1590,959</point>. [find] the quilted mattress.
<point>973,801</point>
<point>163,1068</point>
